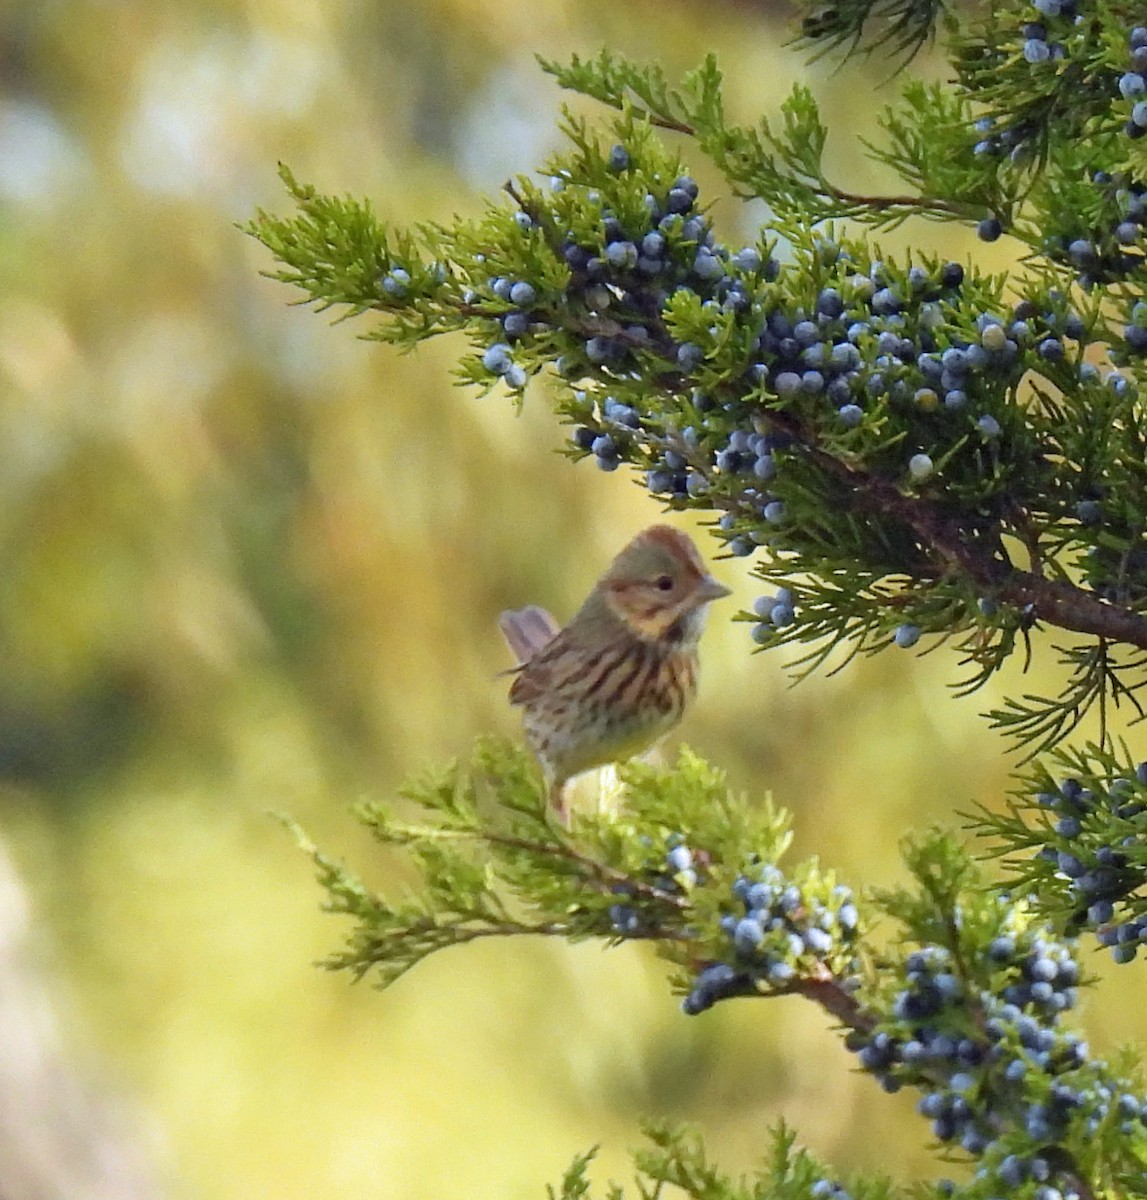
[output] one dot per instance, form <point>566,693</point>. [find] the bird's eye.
<point>665,582</point>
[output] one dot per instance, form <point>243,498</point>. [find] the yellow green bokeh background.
<point>252,563</point>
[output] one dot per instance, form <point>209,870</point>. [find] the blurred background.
<point>250,563</point>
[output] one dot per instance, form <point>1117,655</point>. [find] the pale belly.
<point>577,742</point>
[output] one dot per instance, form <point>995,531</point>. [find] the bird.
<point>621,674</point>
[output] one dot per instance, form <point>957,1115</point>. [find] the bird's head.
<point>658,586</point>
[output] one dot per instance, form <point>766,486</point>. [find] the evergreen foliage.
<point>913,453</point>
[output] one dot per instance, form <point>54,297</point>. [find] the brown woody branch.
<point>1055,601</point>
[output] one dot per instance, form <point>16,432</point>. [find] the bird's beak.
<point>710,589</point>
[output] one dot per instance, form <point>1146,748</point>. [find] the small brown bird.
<point>620,675</point>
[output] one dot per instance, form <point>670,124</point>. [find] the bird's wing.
<point>535,678</point>
<point>527,630</point>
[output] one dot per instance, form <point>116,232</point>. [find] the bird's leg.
<point>609,789</point>
<point>559,802</point>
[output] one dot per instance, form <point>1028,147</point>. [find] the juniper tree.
<point>909,451</point>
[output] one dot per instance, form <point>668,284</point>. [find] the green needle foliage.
<point>911,451</point>
<point>494,865</point>
<point>676,1158</point>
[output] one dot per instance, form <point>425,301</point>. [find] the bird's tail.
<point>527,630</point>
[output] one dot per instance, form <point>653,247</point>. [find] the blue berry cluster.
<point>909,371</point>
<point>686,471</point>
<point>516,300</point>
<point>681,870</point>
<point>828,1189</point>
<point>1133,83</point>
<point>1105,239</point>
<point>399,285</point>
<point>875,344</point>
<point>1090,849</point>
<point>779,933</point>
<point>619,280</point>
<point>844,356</point>
<point>996,1070</point>
<point>396,283</point>
<point>1039,44</point>
<point>777,611</point>
<point>629,272</point>
<point>499,360</point>
<point>1135,331</point>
